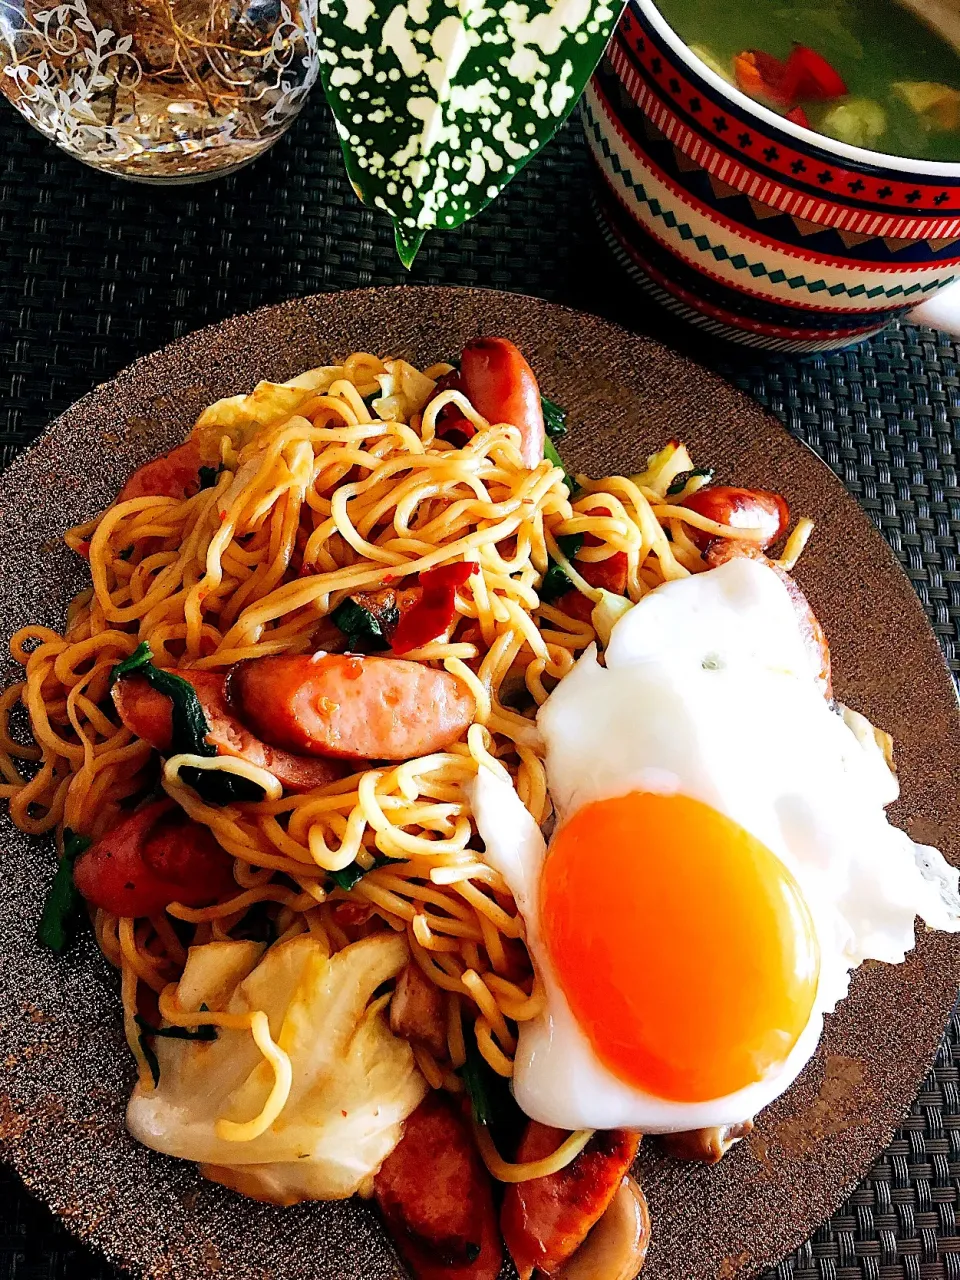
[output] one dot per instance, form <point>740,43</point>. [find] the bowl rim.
<point>859,155</point>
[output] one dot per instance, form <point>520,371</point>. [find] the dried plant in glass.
<point>159,89</point>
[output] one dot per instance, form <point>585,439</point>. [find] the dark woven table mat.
<point>94,272</point>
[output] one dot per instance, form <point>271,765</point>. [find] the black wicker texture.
<point>94,272</point>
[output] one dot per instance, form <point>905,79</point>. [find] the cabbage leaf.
<point>354,1082</point>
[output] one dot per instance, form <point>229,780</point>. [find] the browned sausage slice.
<point>342,705</point>
<point>500,384</point>
<point>154,857</point>
<point>172,475</point>
<point>149,714</point>
<point>437,1198</point>
<point>739,509</point>
<point>544,1221</point>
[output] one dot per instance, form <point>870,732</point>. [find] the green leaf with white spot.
<point>439,103</point>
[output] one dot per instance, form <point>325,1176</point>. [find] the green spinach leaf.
<point>354,873</point>
<point>550,453</point>
<point>364,631</point>
<point>555,581</point>
<point>190,730</point>
<point>204,1032</point>
<point>209,476</point>
<point>63,907</point>
<point>153,1062</point>
<point>220,787</point>
<point>554,419</point>
<point>680,482</point>
<point>491,1100</point>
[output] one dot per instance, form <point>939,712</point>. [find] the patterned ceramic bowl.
<point>747,225</point>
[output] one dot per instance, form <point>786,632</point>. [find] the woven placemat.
<point>94,272</point>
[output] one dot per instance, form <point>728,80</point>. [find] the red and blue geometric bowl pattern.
<point>743,228</point>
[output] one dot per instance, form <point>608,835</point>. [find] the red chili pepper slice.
<point>436,608</point>
<point>806,75</point>
<point>810,76</point>
<point>455,428</point>
<point>448,575</point>
<point>451,424</point>
<point>761,75</point>
<point>798,116</point>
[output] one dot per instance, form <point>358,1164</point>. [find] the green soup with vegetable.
<point>867,72</point>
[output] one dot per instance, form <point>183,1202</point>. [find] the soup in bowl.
<point>782,177</point>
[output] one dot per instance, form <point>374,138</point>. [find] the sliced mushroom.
<point>417,1011</point>
<point>617,1246</point>
<point>706,1145</point>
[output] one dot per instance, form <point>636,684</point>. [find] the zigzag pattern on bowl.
<point>731,323</point>
<point>728,275</point>
<point>619,84</point>
<point>725,252</point>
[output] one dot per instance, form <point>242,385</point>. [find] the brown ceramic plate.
<point>66,1071</point>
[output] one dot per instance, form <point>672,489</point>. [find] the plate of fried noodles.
<point>339,938</point>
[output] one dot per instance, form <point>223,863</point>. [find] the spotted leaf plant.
<point>439,103</point>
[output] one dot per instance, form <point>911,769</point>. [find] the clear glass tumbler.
<point>169,91</point>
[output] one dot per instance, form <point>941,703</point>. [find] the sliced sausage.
<point>610,574</point>
<point>739,509</point>
<point>723,549</point>
<point>149,714</point>
<point>172,475</point>
<point>501,386</point>
<point>544,1221</point>
<point>156,856</point>
<point>342,705</point>
<point>616,1248</point>
<point>708,1146</point>
<point>417,1011</point>
<point>436,1198</point>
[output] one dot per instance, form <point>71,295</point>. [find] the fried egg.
<point>721,861</point>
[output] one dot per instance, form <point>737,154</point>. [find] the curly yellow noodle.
<point>477,988</point>
<point>797,540</point>
<point>501,1063</point>
<point>246,1131</point>
<point>167,935</point>
<point>429,940</point>
<point>506,1172</point>
<point>456,1045</point>
<point>128,998</point>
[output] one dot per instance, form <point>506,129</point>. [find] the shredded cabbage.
<point>239,418</point>
<point>404,392</point>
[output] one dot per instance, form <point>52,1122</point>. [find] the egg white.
<point>707,690</point>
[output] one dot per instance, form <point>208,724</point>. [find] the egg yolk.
<point>684,946</point>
